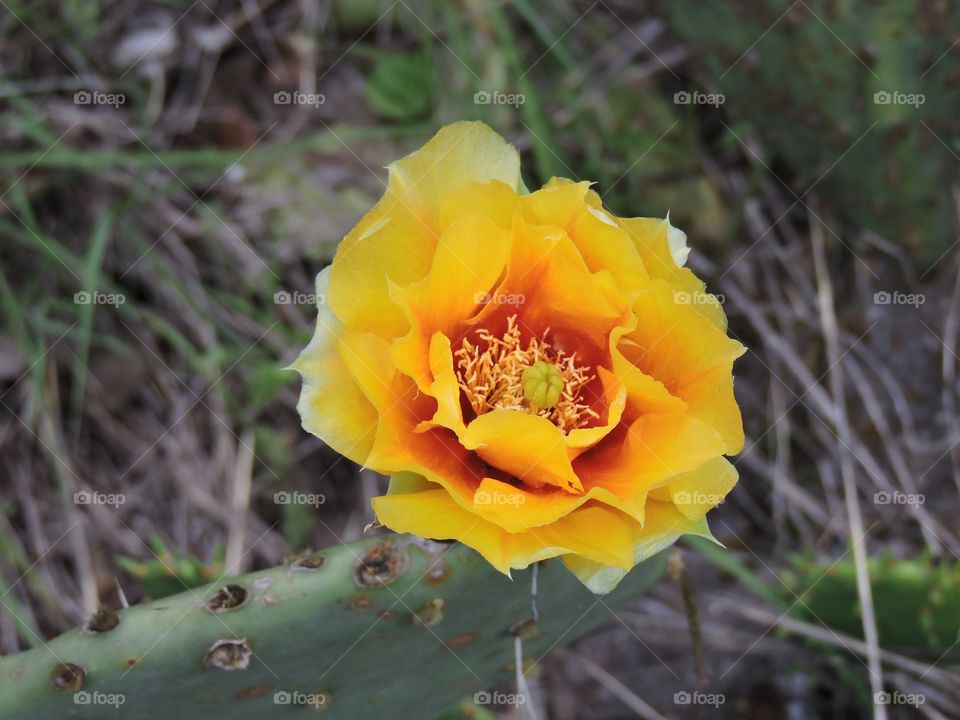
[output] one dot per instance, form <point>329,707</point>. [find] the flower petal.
<point>445,388</point>
<point>602,242</point>
<point>696,492</point>
<point>470,257</point>
<point>527,447</point>
<point>332,404</point>
<point>596,532</point>
<point>516,509</point>
<point>558,290</point>
<point>660,245</point>
<point>494,200</point>
<point>404,444</point>
<point>645,394</point>
<point>654,449</point>
<point>663,526</point>
<point>690,356</point>
<point>580,440</point>
<point>396,239</point>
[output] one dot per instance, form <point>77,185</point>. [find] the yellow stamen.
<point>538,379</point>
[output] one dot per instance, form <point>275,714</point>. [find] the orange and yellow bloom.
<point>539,377</point>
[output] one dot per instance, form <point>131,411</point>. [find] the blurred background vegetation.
<point>173,174</point>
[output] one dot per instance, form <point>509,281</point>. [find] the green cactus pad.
<point>389,626</point>
<point>916,602</point>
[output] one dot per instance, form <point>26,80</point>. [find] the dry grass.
<point>200,198</point>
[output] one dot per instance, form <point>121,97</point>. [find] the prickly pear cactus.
<point>390,626</point>
<point>859,99</point>
<point>917,602</point>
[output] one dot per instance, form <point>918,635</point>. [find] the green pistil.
<point>542,385</point>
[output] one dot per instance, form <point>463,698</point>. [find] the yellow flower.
<point>539,377</point>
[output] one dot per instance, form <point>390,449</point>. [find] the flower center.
<point>498,373</point>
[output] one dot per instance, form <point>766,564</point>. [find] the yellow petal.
<point>654,449</point>
<point>528,447</point>
<point>433,514</point>
<point>396,239</point>
<point>458,154</point>
<point>599,533</point>
<point>444,387</point>
<point>470,258</point>
<point>494,200</point>
<point>690,356</point>
<point>664,525</point>
<point>561,290</point>
<point>696,492</point>
<point>403,444</point>
<point>615,399</point>
<point>332,404</point>
<point>602,242</point>
<point>367,357</point>
<point>645,394</point>
<point>652,238</point>
<point>516,509</point>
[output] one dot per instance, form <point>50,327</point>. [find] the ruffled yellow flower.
<point>539,377</point>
